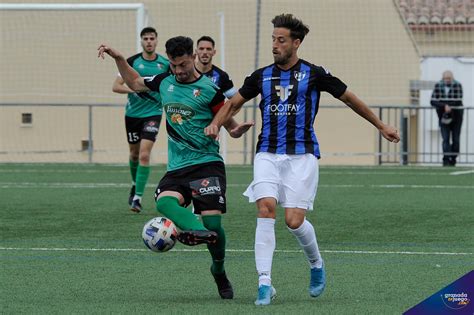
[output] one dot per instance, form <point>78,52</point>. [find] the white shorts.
<point>291,179</point>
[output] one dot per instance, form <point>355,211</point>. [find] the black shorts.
<point>203,184</point>
<point>142,128</point>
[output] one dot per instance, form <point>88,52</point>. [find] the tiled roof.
<point>437,12</point>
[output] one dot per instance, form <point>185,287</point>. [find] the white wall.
<point>429,139</point>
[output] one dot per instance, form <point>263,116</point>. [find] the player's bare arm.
<point>357,105</point>
<point>129,75</point>
<point>120,87</point>
<point>235,129</point>
<point>230,108</point>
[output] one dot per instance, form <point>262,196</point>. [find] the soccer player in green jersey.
<point>196,171</point>
<point>142,114</point>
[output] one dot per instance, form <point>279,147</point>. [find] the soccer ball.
<point>159,234</point>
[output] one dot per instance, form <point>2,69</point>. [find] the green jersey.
<point>141,105</point>
<point>189,108</point>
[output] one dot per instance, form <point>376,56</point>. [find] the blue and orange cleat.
<point>317,282</point>
<point>266,293</point>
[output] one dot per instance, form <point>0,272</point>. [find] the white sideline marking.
<point>364,252</point>
<point>462,172</point>
<point>127,185</point>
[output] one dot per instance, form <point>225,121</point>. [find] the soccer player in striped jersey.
<point>286,163</point>
<point>196,171</point>
<point>205,51</point>
<point>142,114</point>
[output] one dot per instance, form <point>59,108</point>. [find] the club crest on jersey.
<point>299,75</point>
<point>159,65</point>
<point>196,92</point>
<point>283,91</point>
<point>141,66</point>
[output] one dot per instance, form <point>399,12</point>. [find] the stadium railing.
<point>92,133</point>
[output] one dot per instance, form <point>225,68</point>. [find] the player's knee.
<point>166,202</point>
<point>266,212</point>
<point>144,158</point>
<point>266,208</point>
<point>133,156</point>
<point>294,222</point>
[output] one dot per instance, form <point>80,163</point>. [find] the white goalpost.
<point>51,74</point>
<point>139,8</point>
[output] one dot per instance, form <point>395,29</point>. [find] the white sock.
<point>264,247</point>
<point>137,197</point>
<point>307,239</point>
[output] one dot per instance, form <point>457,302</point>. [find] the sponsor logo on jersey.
<point>214,79</point>
<point>282,109</point>
<point>283,91</point>
<point>270,78</point>
<point>178,113</point>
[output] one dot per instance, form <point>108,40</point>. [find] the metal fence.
<point>87,133</point>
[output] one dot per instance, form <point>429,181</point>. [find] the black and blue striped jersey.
<point>289,104</point>
<point>222,80</point>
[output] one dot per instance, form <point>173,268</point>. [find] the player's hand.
<point>240,129</point>
<point>212,131</point>
<point>104,49</point>
<point>390,133</point>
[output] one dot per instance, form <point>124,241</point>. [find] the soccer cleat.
<point>136,206</point>
<point>317,282</point>
<point>196,237</point>
<point>266,293</point>
<point>131,195</point>
<point>223,285</point>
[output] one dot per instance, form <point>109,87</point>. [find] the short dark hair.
<point>206,39</point>
<point>298,29</point>
<point>147,30</point>
<point>179,46</point>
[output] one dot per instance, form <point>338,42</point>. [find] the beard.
<point>183,77</point>
<point>205,62</point>
<point>282,58</point>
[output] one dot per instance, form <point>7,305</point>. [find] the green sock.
<point>142,177</point>
<point>182,217</point>
<point>133,169</point>
<point>217,250</point>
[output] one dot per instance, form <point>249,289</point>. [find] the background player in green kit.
<point>142,114</point>
<point>196,171</point>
